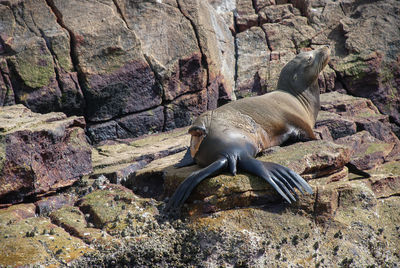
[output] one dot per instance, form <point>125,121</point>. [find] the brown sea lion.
<point>230,136</point>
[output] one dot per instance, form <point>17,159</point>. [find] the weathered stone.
<point>120,162</point>
<point>41,70</point>
<point>245,16</point>
<point>131,88</point>
<point>113,204</point>
<point>46,205</point>
<point>338,126</point>
<point>276,13</point>
<point>16,213</point>
<point>343,104</point>
<point>372,72</point>
<point>40,152</point>
<point>290,34</point>
<point>215,41</point>
<point>6,91</point>
<point>225,8</point>
<point>254,60</point>
<point>129,126</point>
<point>36,241</point>
<point>175,56</point>
<point>366,151</point>
<point>72,220</point>
<point>183,110</point>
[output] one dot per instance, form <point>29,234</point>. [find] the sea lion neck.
<point>300,78</point>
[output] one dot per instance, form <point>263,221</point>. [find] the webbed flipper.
<point>281,178</point>
<point>187,186</point>
<point>187,160</point>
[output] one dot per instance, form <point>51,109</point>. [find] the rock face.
<point>106,66</point>
<point>126,61</point>
<point>40,153</point>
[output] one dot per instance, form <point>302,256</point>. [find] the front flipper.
<point>283,179</point>
<point>187,160</point>
<point>187,186</point>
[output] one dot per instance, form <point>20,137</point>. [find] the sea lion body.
<point>243,122</point>
<point>233,134</point>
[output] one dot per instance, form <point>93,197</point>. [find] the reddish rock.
<point>183,110</point>
<point>386,186</point>
<point>188,77</point>
<point>246,16</point>
<point>131,88</point>
<point>40,152</point>
<point>6,91</point>
<point>366,151</point>
<point>338,126</point>
<point>48,204</point>
<point>276,13</point>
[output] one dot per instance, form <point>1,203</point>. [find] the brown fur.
<point>266,120</point>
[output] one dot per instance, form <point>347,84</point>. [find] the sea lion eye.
<point>309,58</point>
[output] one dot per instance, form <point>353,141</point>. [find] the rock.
<point>336,124</point>
<point>133,125</point>
<point>245,16</point>
<point>48,204</point>
<point>113,205</point>
<point>40,66</point>
<point>225,191</point>
<point>73,221</point>
<point>125,60</point>
<point>16,213</point>
<point>254,60</point>
<point>367,152</point>
<point>133,68</point>
<point>6,91</point>
<point>119,161</point>
<point>106,66</point>
<point>40,153</point>
<point>36,241</point>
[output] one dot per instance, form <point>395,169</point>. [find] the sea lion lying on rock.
<point>230,136</point>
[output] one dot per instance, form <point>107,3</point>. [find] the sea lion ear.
<point>295,77</point>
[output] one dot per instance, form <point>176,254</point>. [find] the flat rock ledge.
<point>114,216</point>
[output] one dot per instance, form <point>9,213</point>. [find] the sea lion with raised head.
<point>230,136</point>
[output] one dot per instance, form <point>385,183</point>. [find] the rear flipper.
<point>187,186</point>
<point>283,179</point>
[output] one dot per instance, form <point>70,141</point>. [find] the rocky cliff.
<point>119,70</point>
<point>138,67</point>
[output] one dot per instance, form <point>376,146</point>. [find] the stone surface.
<point>40,153</point>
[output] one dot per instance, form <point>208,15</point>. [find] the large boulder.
<point>40,153</point>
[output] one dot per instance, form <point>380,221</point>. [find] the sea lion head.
<point>302,71</point>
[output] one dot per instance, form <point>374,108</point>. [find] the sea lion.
<point>230,136</point>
